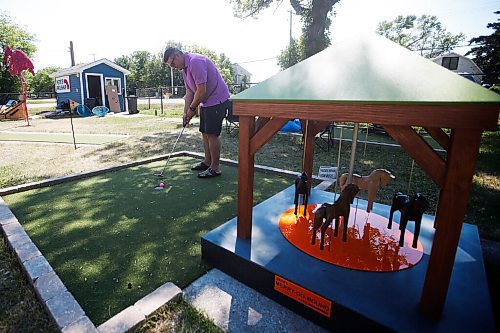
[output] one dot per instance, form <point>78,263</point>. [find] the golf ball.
<point>162,185</point>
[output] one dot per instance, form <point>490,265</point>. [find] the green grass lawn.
<point>113,238</point>
<point>60,137</point>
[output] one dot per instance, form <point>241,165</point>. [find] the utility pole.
<point>71,51</point>
<point>291,40</point>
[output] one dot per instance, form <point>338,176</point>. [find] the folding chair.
<point>325,137</point>
<point>232,121</point>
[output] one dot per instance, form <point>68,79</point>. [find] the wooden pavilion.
<point>369,79</point>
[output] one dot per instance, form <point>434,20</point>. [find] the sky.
<point>111,28</point>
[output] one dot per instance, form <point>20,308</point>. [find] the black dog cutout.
<point>411,208</point>
<point>328,212</point>
<point>301,190</point>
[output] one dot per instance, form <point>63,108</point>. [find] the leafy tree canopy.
<point>314,14</point>
<point>16,37</point>
<point>147,70</point>
<point>424,34</point>
<point>42,82</point>
<point>487,55</point>
<point>292,54</point>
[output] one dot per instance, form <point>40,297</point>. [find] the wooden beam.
<point>308,153</point>
<point>420,151</point>
<point>245,177</point>
<point>440,136</point>
<point>464,115</point>
<point>265,133</point>
<point>464,149</point>
<point>261,121</point>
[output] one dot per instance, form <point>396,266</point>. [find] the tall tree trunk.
<point>316,24</point>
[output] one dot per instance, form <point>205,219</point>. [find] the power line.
<point>250,61</point>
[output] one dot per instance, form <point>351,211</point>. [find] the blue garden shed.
<point>86,83</point>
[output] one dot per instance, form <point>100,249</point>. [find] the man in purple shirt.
<point>204,87</point>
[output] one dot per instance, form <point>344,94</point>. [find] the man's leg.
<point>214,148</point>
<point>206,148</point>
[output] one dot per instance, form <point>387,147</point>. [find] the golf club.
<point>160,174</point>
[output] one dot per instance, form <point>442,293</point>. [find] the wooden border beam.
<point>460,115</point>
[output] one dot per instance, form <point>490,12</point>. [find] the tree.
<point>42,82</point>
<point>487,55</point>
<point>315,16</point>
<point>16,37</point>
<point>147,70</point>
<point>292,54</point>
<point>424,34</point>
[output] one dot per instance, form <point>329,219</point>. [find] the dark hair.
<point>170,52</point>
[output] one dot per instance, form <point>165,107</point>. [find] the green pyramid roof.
<point>367,68</point>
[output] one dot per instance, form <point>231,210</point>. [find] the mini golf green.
<point>113,238</point>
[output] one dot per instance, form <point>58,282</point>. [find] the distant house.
<point>461,65</point>
<point>85,83</point>
<point>240,73</point>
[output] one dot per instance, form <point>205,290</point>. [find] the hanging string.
<point>411,174</point>
<point>338,164</point>
<point>366,141</point>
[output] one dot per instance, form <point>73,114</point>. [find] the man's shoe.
<point>209,173</point>
<point>199,167</point>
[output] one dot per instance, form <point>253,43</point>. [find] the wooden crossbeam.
<point>440,136</point>
<point>420,151</point>
<point>265,133</point>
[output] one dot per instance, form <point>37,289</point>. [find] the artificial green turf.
<point>60,137</point>
<point>106,233</point>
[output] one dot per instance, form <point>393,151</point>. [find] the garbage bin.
<point>90,103</point>
<point>132,104</point>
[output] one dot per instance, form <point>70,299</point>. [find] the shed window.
<point>115,82</point>
<point>450,62</point>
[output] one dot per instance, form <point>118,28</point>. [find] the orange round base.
<point>370,245</point>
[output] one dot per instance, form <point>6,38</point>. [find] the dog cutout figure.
<point>301,190</point>
<point>328,212</point>
<point>411,209</point>
<point>371,183</point>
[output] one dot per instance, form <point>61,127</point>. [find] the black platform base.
<point>343,299</point>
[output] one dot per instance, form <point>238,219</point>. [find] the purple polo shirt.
<point>200,69</point>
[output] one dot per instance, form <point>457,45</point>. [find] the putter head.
<point>159,175</point>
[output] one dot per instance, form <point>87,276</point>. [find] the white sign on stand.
<point>327,173</point>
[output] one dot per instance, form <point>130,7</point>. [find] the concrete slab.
<point>234,307</point>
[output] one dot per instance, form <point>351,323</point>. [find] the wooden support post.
<point>307,159</point>
<point>453,198</point>
<point>245,177</point>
